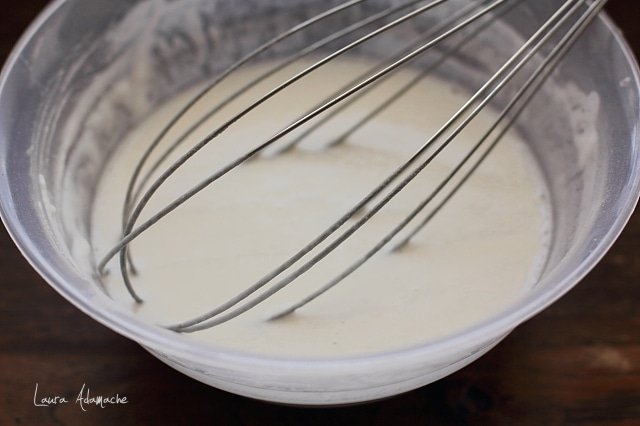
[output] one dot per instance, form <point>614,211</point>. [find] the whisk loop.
<point>560,32</point>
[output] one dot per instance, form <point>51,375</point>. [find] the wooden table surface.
<point>576,363</point>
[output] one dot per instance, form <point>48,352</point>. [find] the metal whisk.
<point>544,49</point>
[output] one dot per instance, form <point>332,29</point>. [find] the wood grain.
<point>576,363</point>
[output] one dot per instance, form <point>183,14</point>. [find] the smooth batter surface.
<point>481,253</point>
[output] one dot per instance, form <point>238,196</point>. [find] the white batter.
<point>481,253</point>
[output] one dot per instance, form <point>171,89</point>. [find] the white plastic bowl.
<point>51,143</point>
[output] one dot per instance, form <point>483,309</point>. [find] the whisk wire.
<point>537,40</point>
<point>189,105</point>
<point>529,89</point>
<point>243,295</point>
<point>131,233</point>
<point>403,52</point>
<point>244,89</point>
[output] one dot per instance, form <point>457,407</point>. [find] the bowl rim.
<point>157,339</point>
